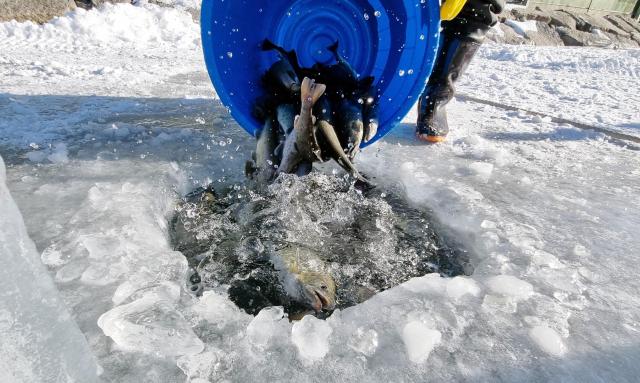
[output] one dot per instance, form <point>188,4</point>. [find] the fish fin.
<point>366,82</point>
<point>268,45</point>
<point>333,48</point>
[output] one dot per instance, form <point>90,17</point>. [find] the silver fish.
<point>338,153</point>
<point>301,144</point>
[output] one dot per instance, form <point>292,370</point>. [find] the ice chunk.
<point>510,286</point>
<point>311,338</point>
<point>430,283</point>
<point>461,286</point>
<point>152,324</point>
<point>40,342</point>
<point>218,310</point>
<point>265,327</point>
<point>419,340</point>
<point>548,340</point>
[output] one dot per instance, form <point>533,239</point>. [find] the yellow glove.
<point>450,9</point>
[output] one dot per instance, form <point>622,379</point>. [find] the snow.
<point>548,340</point>
<point>522,27</point>
<point>101,138</point>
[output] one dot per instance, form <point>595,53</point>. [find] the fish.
<point>290,56</point>
<point>264,166</point>
<point>370,114</point>
<point>293,277</point>
<point>282,78</point>
<point>341,78</point>
<point>350,121</point>
<point>305,279</point>
<point>301,144</point>
<point>329,133</point>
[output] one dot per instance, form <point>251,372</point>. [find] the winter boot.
<point>459,41</point>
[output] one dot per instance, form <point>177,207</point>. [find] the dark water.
<point>368,241</point>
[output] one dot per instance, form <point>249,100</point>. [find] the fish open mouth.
<point>319,300</point>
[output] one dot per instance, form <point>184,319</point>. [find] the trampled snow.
<point>101,133</point>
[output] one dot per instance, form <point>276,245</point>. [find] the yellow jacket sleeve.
<point>451,8</point>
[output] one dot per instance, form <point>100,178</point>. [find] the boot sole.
<point>431,139</point>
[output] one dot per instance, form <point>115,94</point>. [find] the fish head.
<point>318,291</point>
<point>282,76</point>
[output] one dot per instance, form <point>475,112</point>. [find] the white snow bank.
<point>522,27</point>
<point>548,340</point>
<point>112,25</point>
<point>40,341</point>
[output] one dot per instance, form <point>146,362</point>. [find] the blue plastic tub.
<point>395,41</point>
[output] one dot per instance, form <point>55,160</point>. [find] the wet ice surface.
<point>548,211</point>
<point>552,295</point>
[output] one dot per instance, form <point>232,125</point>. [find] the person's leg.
<point>459,41</point>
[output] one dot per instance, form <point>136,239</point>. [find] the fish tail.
<point>310,91</point>
<point>333,48</point>
<point>268,45</point>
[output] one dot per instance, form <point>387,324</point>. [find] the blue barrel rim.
<point>417,57</point>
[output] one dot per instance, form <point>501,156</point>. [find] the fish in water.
<point>294,277</point>
<point>286,246</point>
<point>259,274</point>
<point>301,145</point>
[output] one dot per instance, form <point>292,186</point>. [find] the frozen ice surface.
<point>420,340</point>
<point>39,340</point>
<point>311,337</point>
<point>548,211</point>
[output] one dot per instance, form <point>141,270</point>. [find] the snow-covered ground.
<point>107,116</point>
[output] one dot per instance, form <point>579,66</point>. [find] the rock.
<point>630,28</point>
<point>562,19</point>
<point>588,23</point>
<point>39,11</point>
<point>572,37</point>
<point>537,15</point>
<point>621,41</point>
<point>97,3</point>
<point>631,22</point>
<point>545,36</point>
